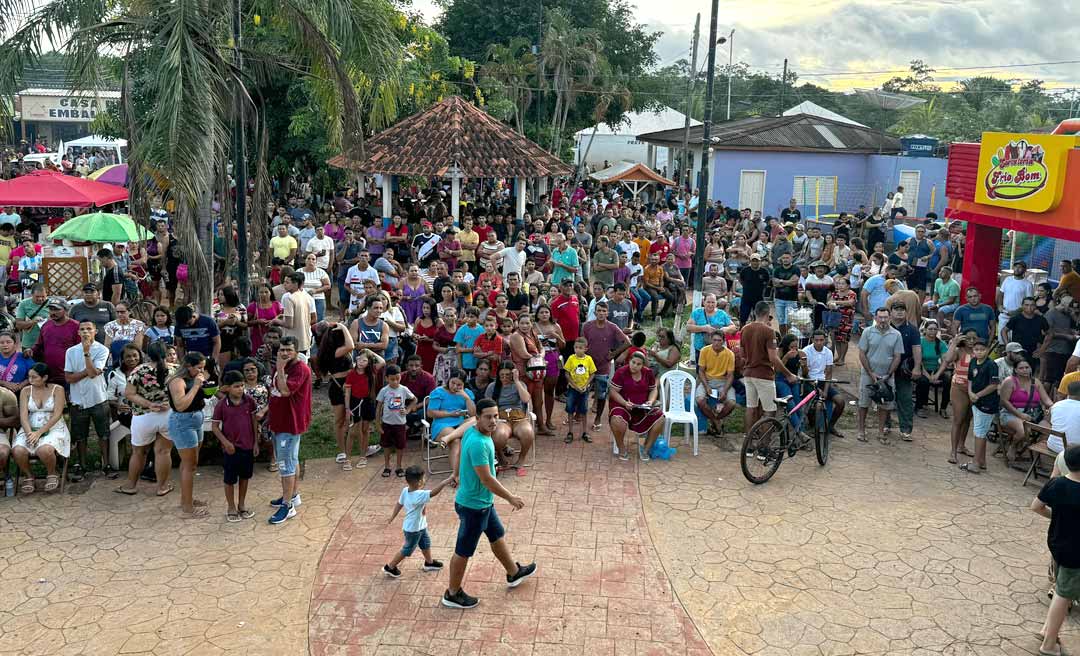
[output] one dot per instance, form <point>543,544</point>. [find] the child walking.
<point>580,371</point>
<point>1059,501</point>
<point>414,499</point>
<point>235,425</point>
<point>393,403</point>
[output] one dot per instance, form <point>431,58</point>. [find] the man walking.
<point>290,416</point>
<point>881,348</point>
<point>475,506</point>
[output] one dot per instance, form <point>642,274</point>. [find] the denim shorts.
<point>186,429</point>
<point>473,524</point>
<point>601,381</point>
<point>287,452</point>
<point>82,418</point>
<point>391,352</point>
<point>414,539</point>
<point>782,309</point>
<point>577,403</point>
<point>981,422</point>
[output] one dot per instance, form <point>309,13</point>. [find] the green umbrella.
<point>101,227</point>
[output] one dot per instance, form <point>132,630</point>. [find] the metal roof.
<point>797,133</point>
<point>60,93</point>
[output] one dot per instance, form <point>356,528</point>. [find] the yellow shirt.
<point>644,244</point>
<point>469,240</point>
<point>1063,388</point>
<point>1071,283</point>
<point>7,244</point>
<point>716,365</point>
<point>282,246</point>
<point>579,369</point>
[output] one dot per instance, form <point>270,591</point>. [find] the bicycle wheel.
<point>762,450</point>
<point>821,436</point>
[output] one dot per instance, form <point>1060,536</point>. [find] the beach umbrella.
<point>114,174</point>
<point>101,227</point>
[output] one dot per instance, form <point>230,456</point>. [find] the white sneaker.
<point>373,449</point>
<point>340,458</point>
<point>296,500</point>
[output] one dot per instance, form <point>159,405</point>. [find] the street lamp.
<point>730,40</point>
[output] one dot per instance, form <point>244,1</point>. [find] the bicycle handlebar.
<point>828,380</point>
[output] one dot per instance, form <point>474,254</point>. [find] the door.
<point>752,190</point>
<point>909,180</point>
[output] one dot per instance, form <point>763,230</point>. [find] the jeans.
<point>782,309</point>
<point>391,349</point>
<point>905,403</point>
<point>784,388</point>
<point>186,429</point>
<point>287,451</point>
<point>643,298</point>
<point>320,308</point>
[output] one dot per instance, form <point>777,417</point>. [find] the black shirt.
<point>515,302</point>
<point>983,374</point>
<point>1029,332</point>
<point>786,293</point>
<point>912,338</point>
<point>792,215</point>
<point>1063,536</point>
<point>111,277</point>
<point>754,282</point>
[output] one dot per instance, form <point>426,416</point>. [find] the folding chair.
<point>1040,448</point>
<point>430,445</point>
<point>674,401</point>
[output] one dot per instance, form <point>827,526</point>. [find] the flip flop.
<point>197,511</point>
<point>521,471</point>
<point>123,490</point>
<point>969,468</point>
<point>862,437</point>
<point>967,453</point>
<point>386,472</point>
<point>232,518</point>
<point>164,492</point>
<point>952,460</point>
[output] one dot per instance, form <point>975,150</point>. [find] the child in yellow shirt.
<point>580,370</point>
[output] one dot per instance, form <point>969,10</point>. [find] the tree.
<point>979,91</point>
<point>919,80</point>
<point>612,101</point>
<point>572,59</point>
<point>511,65</point>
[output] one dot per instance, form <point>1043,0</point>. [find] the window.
<point>811,189</point>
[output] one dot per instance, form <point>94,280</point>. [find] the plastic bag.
<point>660,449</point>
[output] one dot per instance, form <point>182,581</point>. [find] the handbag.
<point>536,367</point>
<point>182,273</point>
<point>1037,413</point>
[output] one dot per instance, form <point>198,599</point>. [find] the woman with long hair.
<point>512,397</point>
<point>447,300</point>
<point>149,400</point>
<point>116,383</point>
<point>232,323</point>
<point>413,291</point>
<point>186,398</point>
<point>665,354</point>
<point>959,354</point>
<point>361,388</point>
<point>525,351</point>
<point>1023,399</point>
<point>335,360</point>
<point>828,252</point>
<point>161,329</point>
<point>260,312</point>
<point>551,338</point>
<point>448,406</point>
<point>316,283</point>
<point>446,357</point>
<point>714,249</point>
<point>843,300</point>
<point>633,395</point>
<point>425,328</point>
<point>42,431</point>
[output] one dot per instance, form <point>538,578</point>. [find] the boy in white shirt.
<point>414,500</point>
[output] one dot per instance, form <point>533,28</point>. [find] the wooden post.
<point>387,196</point>
<point>455,198</point>
<point>519,188</point>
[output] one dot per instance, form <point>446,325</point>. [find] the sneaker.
<point>523,572</point>
<point>76,473</point>
<point>624,456</point>
<point>277,502</point>
<point>283,513</point>
<point>373,449</point>
<point>643,455</point>
<point>585,438</point>
<point>433,566</point>
<point>392,572</point>
<point>459,600</point>
<point>340,458</point>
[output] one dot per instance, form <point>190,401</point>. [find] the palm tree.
<point>572,57</point>
<point>193,81</point>
<point>511,65</point>
<point>611,93</point>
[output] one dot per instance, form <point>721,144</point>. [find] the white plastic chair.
<point>674,401</point>
<point>426,437</point>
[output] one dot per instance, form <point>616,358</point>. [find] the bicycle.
<point>137,282</point>
<point>769,439</point>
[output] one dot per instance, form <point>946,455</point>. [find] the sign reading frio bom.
<point>1023,171</point>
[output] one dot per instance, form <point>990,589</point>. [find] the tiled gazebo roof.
<point>454,131</point>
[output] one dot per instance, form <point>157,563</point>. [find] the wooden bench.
<point>1040,448</point>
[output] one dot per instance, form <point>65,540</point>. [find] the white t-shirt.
<point>314,280</point>
<point>414,504</point>
<point>513,260</point>
<point>396,315</point>
<point>1064,418</point>
<point>1013,292</point>
<point>354,280</point>
<point>315,245</point>
<point>88,392</point>
<point>817,361</point>
<point>635,274</point>
<point>898,199</point>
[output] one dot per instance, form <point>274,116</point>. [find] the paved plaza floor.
<point>887,550</point>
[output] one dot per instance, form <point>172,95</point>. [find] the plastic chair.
<point>674,402</point>
<point>532,418</point>
<point>430,445</point>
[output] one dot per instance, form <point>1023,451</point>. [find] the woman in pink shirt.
<point>684,246</point>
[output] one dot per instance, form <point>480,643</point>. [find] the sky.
<point>842,44</point>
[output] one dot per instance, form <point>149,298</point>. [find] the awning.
<point>51,189</point>
<point>630,172</point>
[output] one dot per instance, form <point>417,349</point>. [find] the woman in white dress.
<point>43,432</point>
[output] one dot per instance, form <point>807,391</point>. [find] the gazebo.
<point>635,177</point>
<point>457,140</point>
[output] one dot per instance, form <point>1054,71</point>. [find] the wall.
<point>884,170</point>
<point>782,168</point>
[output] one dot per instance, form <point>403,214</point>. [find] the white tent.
<point>619,143</point>
<point>813,109</point>
<point>98,141</point>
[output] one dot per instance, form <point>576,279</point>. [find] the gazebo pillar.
<point>519,189</point>
<point>361,185</point>
<point>387,196</point>
<point>541,186</point>
<point>455,195</point>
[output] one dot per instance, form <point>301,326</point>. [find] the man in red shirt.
<point>661,247</point>
<point>290,416</point>
<point>489,346</point>
<point>566,311</point>
<point>482,228</point>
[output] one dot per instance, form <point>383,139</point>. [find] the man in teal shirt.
<point>564,261</point>
<point>475,506</point>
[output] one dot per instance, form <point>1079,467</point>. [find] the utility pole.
<point>539,70</point>
<point>240,163</point>
<point>706,142</point>
<point>730,56</point>
<point>689,101</point>
<point>783,89</point>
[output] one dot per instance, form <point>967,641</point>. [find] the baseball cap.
<point>58,303</point>
<point>89,287</point>
<point>755,256</point>
<point>1014,347</point>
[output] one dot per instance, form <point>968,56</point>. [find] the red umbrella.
<point>51,189</point>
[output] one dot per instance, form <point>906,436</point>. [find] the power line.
<point>936,70</point>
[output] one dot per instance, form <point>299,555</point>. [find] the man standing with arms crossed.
<point>475,506</point>
<point>758,344</point>
<point>290,416</point>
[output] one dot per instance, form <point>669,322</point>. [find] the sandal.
<point>232,517</point>
<point>196,511</point>
<point>28,486</point>
<point>585,438</point>
<point>386,472</point>
<point>905,436</point>
<point>568,439</point>
<point>124,490</point>
<point>969,468</point>
<point>399,472</point>
<point>272,467</point>
<point>967,453</point>
<point>362,462</point>
<point>165,491</point>
<point>340,458</point>
<point>884,439</point>
<point>347,466</point>
<point>52,481</point>
<point>952,460</point>
<point>862,437</point>
<point>245,513</point>
<point>596,427</point>
<point>199,503</point>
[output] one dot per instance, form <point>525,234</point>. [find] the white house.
<point>620,143</point>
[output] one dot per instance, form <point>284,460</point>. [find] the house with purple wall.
<point>827,163</point>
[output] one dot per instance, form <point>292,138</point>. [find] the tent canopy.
<point>630,172</point>
<point>98,141</point>
<point>51,189</point>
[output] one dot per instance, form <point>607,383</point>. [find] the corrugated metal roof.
<point>60,93</point>
<point>799,132</point>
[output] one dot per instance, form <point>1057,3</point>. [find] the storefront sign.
<point>67,109</point>
<point>1023,171</point>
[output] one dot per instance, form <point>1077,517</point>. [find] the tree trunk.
<point>584,157</point>
<point>258,224</point>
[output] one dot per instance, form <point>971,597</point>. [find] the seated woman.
<point>1022,399</point>
<point>43,432</point>
<point>633,395</point>
<point>448,406</point>
<point>933,350</point>
<point>512,396</point>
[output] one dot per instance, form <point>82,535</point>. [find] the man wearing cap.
<point>1014,355</point>
<point>754,278</point>
<point>1029,329</point>
<point>94,310</point>
<point>56,336</point>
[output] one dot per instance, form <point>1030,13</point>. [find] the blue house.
<point>826,162</point>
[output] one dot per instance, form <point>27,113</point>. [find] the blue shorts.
<point>186,429</point>
<point>981,422</point>
<point>949,309</point>
<point>601,381</point>
<point>287,452</point>
<point>782,309</point>
<point>577,403</point>
<point>473,524</point>
<point>414,539</point>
